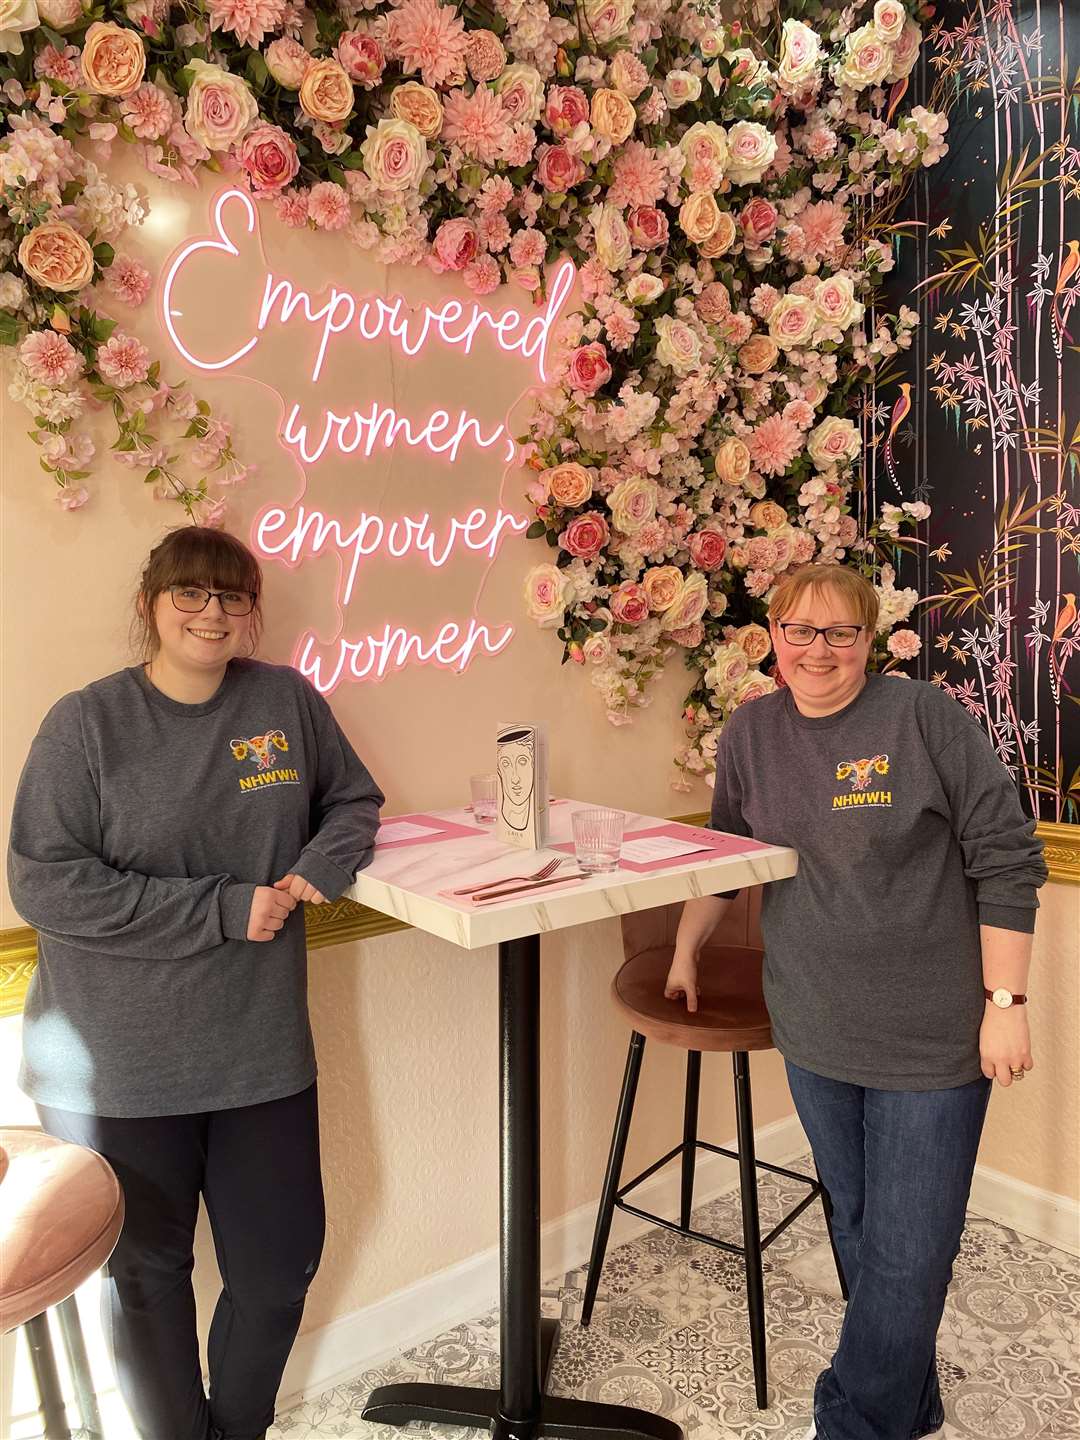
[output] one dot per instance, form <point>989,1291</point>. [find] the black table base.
<point>519,1409</point>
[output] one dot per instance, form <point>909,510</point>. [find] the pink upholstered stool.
<point>61,1212</point>
<point>731,1016</point>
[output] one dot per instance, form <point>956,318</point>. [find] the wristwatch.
<point>1003,998</point>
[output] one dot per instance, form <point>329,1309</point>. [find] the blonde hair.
<point>841,579</point>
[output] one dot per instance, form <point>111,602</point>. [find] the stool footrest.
<point>813,1191</point>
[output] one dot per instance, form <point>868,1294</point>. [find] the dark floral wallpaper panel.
<point>984,421</point>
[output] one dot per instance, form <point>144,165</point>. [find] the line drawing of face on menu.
<point>516,771</point>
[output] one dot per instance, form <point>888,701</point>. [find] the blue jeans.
<point>897,1165</point>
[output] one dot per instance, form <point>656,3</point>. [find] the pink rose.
<point>361,57</point>
<point>714,303</point>
<point>629,603</point>
<point>287,61</point>
<point>456,243</point>
<point>269,157</point>
<point>758,219</point>
<point>558,171</point>
<point>566,108</point>
<point>689,635</point>
<point>648,227</point>
<point>589,368</point>
<point>586,535</point>
<point>707,549</point>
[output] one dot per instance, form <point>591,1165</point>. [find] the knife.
<point>489,895</point>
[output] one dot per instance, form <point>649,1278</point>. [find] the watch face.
<point>1003,998</point>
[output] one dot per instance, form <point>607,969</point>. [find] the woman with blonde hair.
<point>895,973</point>
<point>169,822</point>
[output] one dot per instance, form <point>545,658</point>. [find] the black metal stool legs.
<point>826,1205</point>
<point>78,1363</point>
<point>46,1378</point>
<point>755,1287</point>
<point>690,1124</point>
<point>614,1170</point>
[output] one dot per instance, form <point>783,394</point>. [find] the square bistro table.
<point>405,881</point>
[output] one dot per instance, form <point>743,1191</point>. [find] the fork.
<point>541,874</point>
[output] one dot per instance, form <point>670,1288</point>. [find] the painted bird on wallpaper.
<point>1070,263</point>
<point>899,414</point>
<point>1065,621</point>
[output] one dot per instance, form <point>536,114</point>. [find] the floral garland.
<point>716,184</point>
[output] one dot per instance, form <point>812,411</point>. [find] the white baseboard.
<point>343,1349</point>
<point>1039,1214</point>
<point>336,1352</point>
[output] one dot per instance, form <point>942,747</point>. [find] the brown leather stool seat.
<point>61,1213</point>
<point>731,1016</point>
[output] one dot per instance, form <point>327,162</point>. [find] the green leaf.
<point>9,329</point>
<point>535,530</point>
<point>256,69</point>
<point>104,254</point>
<point>353,160</point>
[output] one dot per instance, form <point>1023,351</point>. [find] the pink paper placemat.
<point>712,842</point>
<point>445,830</point>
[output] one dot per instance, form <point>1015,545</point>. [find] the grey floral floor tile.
<point>670,1334</point>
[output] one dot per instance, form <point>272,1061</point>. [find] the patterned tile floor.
<point>669,1334</point>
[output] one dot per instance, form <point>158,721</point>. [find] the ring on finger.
<point>1018,1074</point>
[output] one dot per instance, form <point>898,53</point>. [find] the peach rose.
<point>629,603</point>
<point>395,156</point>
<point>867,59</point>
<point>632,503</point>
<point>586,535</point>
<point>547,594</point>
<point>707,549</point>
<point>732,461</point>
<point>699,215</point>
<point>722,238</point>
<point>113,59</point>
<point>627,74</point>
<point>751,150</point>
<point>326,92</point>
<point>419,105</point>
<point>569,484</point>
<point>714,303</point>
<point>754,642</point>
<point>485,56</point>
<point>689,605</point>
<point>612,116</point>
<point>589,368</point>
<point>220,107</point>
<point>287,61</point>
<point>57,257</point>
<point>792,320</point>
<point>767,515</point>
<point>833,442</point>
<point>758,354</point>
<point>662,585</point>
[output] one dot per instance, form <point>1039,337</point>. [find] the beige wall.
<point>406,1025</point>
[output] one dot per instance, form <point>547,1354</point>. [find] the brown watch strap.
<point>1016,999</point>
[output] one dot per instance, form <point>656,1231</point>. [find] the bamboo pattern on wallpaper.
<point>984,423</point>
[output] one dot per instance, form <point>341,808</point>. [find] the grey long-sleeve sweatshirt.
<point>141,828</point>
<point>910,834</point>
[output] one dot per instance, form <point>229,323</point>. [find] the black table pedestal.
<point>519,1409</point>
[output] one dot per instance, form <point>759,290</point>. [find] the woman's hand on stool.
<point>682,978</point>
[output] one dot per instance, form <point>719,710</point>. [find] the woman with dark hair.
<point>169,822</point>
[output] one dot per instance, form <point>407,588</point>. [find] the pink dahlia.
<point>148,111</point>
<point>822,225</point>
<point>128,280</point>
<point>328,205</point>
<point>60,66</point>
<point>292,208</point>
<point>483,275</point>
<point>248,20</point>
<point>431,38</point>
<point>640,176</point>
<point>50,359</point>
<point>774,444</point>
<point>123,361</point>
<point>476,123</point>
<point>528,247</point>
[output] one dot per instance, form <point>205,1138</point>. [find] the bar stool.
<point>731,1016</point>
<point>61,1212</point>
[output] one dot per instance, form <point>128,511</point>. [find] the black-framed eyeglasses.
<point>192,599</point>
<point>840,637</point>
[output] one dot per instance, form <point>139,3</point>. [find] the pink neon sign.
<point>339,317</point>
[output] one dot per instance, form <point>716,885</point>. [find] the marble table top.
<point>405,881</point>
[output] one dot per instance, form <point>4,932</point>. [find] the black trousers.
<point>257,1169</point>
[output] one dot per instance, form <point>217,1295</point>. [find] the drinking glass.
<point>485,798</point>
<point>597,840</point>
